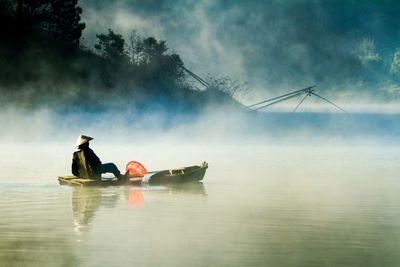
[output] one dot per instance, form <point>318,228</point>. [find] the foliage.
<point>64,23</point>
<point>111,46</point>
<point>229,86</point>
<point>43,62</point>
<point>58,20</point>
<point>395,65</point>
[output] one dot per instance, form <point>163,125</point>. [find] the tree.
<point>146,51</point>
<point>135,48</point>
<point>64,21</point>
<point>231,87</point>
<point>111,46</point>
<point>150,56</point>
<point>57,19</point>
<point>153,51</point>
<point>171,68</point>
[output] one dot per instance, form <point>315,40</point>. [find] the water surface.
<point>263,205</point>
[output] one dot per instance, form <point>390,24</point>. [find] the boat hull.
<point>185,175</point>
<point>174,176</point>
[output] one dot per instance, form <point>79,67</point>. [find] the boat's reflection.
<point>136,195</point>
<point>190,188</point>
<point>87,200</point>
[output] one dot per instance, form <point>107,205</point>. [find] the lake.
<point>259,205</point>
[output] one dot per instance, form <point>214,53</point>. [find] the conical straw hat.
<point>82,139</point>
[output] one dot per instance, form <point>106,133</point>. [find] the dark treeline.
<point>44,63</point>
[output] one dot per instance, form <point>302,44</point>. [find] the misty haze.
<point>272,128</point>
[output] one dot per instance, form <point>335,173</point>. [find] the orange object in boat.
<point>135,168</point>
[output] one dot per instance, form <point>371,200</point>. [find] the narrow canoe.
<point>172,176</point>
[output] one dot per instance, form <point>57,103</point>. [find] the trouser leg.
<point>110,167</point>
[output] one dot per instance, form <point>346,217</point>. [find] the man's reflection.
<point>86,200</point>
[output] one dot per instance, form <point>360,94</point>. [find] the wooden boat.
<point>172,176</point>
<point>183,175</point>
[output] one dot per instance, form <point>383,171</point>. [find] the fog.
<point>303,204</point>
<point>349,49</point>
<point>213,126</point>
<point>315,187</point>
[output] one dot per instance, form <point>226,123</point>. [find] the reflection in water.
<point>87,200</point>
<point>284,206</point>
<point>35,227</point>
<point>191,188</point>
<point>135,197</point>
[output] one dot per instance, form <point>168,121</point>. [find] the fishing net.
<point>135,168</point>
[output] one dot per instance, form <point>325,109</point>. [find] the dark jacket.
<point>85,164</point>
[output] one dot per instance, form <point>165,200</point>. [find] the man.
<point>85,163</point>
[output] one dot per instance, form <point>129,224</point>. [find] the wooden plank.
<point>73,180</point>
<point>67,177</point>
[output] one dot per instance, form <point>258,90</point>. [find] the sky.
<point>350,49</point>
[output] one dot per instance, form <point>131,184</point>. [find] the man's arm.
<point>92,160</point>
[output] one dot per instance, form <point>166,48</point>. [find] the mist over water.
<point>282,189</point>
<point>259,204</point>
<point>349,49</point>
<point>313,188</point>
<point>213,126</point>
